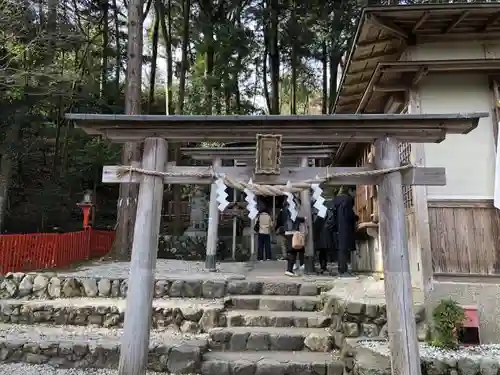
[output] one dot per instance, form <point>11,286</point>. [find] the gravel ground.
<point>88,334</point>
<point>478,352</point>
<point>24,369</point>
<point>165,269</point>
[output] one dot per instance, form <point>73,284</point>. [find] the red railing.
<point>27,252</point>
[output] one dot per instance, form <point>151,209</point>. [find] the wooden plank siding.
<point>366,204</point>
<point>465,237</point>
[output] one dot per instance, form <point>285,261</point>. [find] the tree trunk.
<point>293,62</point>
<point>324,91</point>
<point>334,65</point>
<point>118,48</point>
<point>154,58</point>
<point>167,37</point>
<point>208,34</point>
<point>174,148</point>
<point>264,67</point>
<point>6,163</point>
<point>186,11</point>
<point>104,48</point>
<point>127,203</point>
<point>274,58</point>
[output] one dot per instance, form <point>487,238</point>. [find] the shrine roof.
<point>383,35</point>
<point>317,128</point>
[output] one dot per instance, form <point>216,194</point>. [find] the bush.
<point>447,320</point>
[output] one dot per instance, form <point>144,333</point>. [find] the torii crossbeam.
<point>385,130</point>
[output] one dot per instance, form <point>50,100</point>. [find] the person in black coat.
<point>346,218</point>
<point>324,237</point>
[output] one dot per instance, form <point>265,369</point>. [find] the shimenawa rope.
<point>267,190</point>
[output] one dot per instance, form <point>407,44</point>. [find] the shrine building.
<point>433,59</point>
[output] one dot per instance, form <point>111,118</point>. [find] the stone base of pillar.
<point>210,263</point>
<point>309,265</point>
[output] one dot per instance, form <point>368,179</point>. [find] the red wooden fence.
<point>27,252</point>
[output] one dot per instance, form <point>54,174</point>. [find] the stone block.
<point>271,304</point>
<point>258,342</point>
<point>244,287</point>
<point>280,288</point>
<point>308,289</point>
<point>214,288</point>
<point>285,342</point>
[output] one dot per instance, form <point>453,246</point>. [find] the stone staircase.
<point>199,326</point>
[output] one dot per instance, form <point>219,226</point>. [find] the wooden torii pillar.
<point>386,130</point>
<point>291,154</point>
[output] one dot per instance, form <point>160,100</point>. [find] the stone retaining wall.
<point>51,286</point>
<point>189,319</point>
<point>359,360</point>
<point>357,319</point>
<point>179,359</point>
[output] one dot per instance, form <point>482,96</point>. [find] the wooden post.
<point>253,255</point>
<point>135,341</point>
<point>405,357</point>
<point>213,224</point>
<point>305,197</point>
<point>235,227</point>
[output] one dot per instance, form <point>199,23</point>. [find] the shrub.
<point>447,320</point>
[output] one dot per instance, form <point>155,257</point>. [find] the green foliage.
<point>447,319</point>
<point>60,56</point>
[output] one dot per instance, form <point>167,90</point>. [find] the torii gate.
<point>291,154</point>
<point>385,130</point>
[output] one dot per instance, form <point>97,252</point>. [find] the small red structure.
<point>86,206</point>
<point>470,330</point>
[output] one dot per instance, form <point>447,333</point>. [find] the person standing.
<point>290,229</point>
<point>345,219</point>
<point>281,219</point>
<point>264,226</point>
<point>324,237</point>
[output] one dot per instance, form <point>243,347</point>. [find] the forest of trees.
<point>220,57</point>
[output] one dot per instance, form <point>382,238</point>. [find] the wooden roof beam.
<point>356,83</point>
<point>420,22</point>
<point>375,56</point>
<point>368,90</point>
<point>390,88</point>
<point>456,37</point>
<point>351,101</point>
<point>455,22</point>
<point>419,75</point>
<point>388,26</point>
<point>489,23</point>
<point>375,42</point>
<point>288,151</point>
<point>318,128</point>
<point>439,65</point>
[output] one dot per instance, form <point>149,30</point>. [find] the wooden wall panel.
<point>465,237</point>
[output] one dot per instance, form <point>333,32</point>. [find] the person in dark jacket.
<point>279,229</point>
<point>346,218</point>
<point>324,237</point>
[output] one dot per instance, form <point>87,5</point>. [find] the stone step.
<point>271,338</point>
<point>274,362</point>
<point>87,347</point>
<point>53,286</point>
<point>275,303</point>
<point>260,318</point>
<point>190,315</point>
